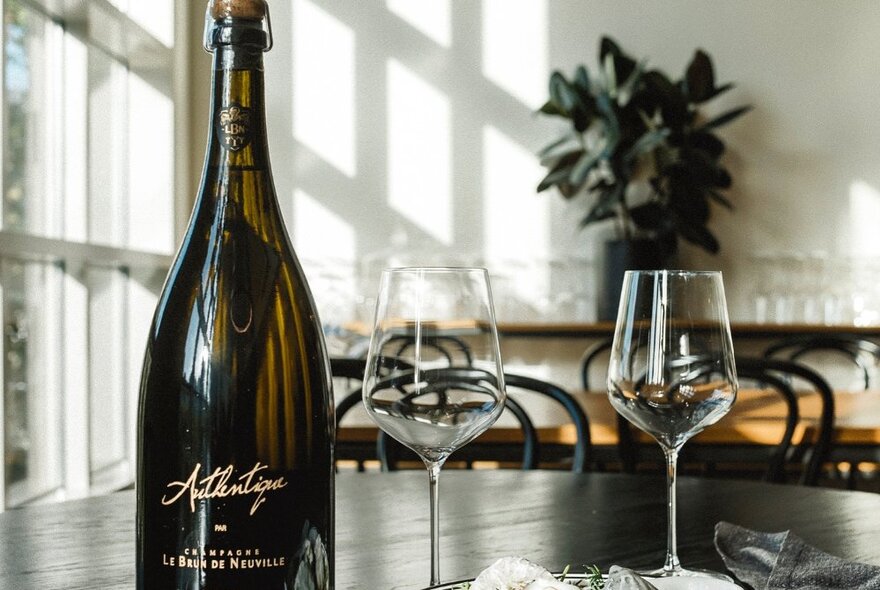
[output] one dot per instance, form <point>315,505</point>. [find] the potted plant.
<point>640,149</point>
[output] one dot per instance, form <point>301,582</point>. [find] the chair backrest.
<point>823,439</point>
<point>599,353</point>
<point>860,352</point>
<point>386,450</point>
<point>531,449</point>
<point>453,349</point>
<point>352,370</point>
<point>786,379</point>
<point>594,354</point>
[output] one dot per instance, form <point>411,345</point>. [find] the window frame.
<point>72,259</point>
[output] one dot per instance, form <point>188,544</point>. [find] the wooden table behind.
<point>555,518</point>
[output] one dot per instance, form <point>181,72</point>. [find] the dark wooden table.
<point>554,518</point>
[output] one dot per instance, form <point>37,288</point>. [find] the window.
<point>90,95</point>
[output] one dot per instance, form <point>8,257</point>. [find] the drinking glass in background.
<point>672,370</point>
<point>434,379</point>
<point>816,288</point>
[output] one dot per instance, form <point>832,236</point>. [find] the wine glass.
<point>434,379</point>
<point>672,370</point>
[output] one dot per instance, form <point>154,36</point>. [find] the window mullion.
<point>75,384</point>
<point>53,198</point>
<point>3,121</point>
<point>2,405</point>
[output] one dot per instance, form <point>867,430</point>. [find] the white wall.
<point>360,169</point>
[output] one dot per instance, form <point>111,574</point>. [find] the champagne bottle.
<point>236,426</point>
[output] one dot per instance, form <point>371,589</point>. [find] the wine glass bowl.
<point>672,371</point>
<point>434,379</point>
<point>436,411</point>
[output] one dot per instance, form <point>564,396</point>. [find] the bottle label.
<point>220,484</point>
<point>240,529</point>
<point>234,127</point>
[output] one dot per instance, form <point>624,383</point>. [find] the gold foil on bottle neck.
<point>253,9</point>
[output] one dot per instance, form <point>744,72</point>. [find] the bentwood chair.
<point>837,355</point>
<point>825,351</point>
<point>528,453</point>
<point>453,349</point>
<point>787,460</point>
<point>596,357</point>
<point>386,451</point>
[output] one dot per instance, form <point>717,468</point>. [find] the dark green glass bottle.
<point>236,427</point>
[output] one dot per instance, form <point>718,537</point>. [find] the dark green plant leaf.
<point>722,178</point>
<point>581,116</point>
<point>554,177</point>
<point>727,117</point>
<point>612,125</point>
<point>719,198</point>
<point>720,90</point>
<point>691,205</point>
<point>582,81</point>
<point>551,108</point>
<point>646,143</point>
<point>707,142</point>
<point>584,166</point>
<point>606,205</point>
<point>553,147</point>
<point>561,93</point>
<point>700,78</point>
<point>649,216</point>
<point>661,94</point>
<point>566,190</point>
<point>559,173</point>
<point>623,64</point>
<point>699,235</point>
<point>627,90</point>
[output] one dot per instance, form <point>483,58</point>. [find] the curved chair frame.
<point>853,347</point>
<point>352,368</point>
<point>531,446</point>
<point>446,345</point>
<point>777,373</point>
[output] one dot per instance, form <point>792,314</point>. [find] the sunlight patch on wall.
<point>433,18</point>
<point>325,244</point>
<point>419,152</point>
<point>156,17</point>
<point>324,85</point>
<point>516,219</point>
<point>515,53</point>
<point>864,211</point>
<point>318,232</point>
<point>150,171</point>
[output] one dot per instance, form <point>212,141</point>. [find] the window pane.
<point>107,148</point>
<point>31,370</point>
<point>150,167</point>
<point>108,401</point>
<point>29,121</point>
<point>156,17</point>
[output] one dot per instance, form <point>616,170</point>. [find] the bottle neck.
<point>238,113</point>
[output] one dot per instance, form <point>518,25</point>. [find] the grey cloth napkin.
<point>783,561</point>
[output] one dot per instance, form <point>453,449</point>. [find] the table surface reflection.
<point>555,518</point>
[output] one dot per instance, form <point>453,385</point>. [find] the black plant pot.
<point>624,255</point>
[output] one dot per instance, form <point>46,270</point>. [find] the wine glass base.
<point>688,573</point>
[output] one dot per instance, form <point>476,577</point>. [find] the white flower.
<point>515,573</point>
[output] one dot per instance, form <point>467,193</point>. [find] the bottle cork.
<point>254,9</point>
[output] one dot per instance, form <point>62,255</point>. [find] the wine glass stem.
<point>433,478</point>
<point>672,564</point>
